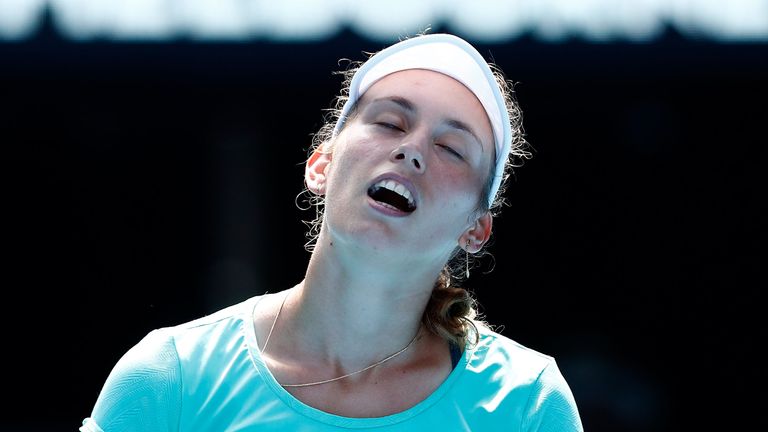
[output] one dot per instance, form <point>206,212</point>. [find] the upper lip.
<point>400,179</point>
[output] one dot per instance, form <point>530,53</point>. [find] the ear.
<point>473,239</point>
<point>315,170</point>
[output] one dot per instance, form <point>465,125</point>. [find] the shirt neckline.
<point>333,419</point>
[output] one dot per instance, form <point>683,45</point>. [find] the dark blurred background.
<point>148,181</point>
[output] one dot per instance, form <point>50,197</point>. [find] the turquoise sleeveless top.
<point>208,375</point>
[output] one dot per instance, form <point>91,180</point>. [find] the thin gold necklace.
<point>390,357</point>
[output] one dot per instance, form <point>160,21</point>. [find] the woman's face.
<point>408,171</point>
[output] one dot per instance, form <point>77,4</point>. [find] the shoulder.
<point>227,327</point>
<point>170,346</point>
<point>233,312</point>
<point>142,391</point>
<point>523,382</point>
<point>496,351</point>
<point>150,363</point>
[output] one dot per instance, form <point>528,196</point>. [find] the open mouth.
<point>393,194</point>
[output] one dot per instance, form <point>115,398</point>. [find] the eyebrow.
<point>403,102</point>
<point>452,123</point>
<point>463,127</point>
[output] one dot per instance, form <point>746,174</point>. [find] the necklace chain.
<point>390,357</point>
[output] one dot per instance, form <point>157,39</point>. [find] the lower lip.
<point>387,210</point>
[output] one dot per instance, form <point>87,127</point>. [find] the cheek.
<point>356,146</point>
<point>350,162</point>
<point>464,191</point>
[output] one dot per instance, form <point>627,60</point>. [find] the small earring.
<point>467,251</point>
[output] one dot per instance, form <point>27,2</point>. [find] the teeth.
<point>397,188</point>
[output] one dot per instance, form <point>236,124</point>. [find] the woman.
<point>376,336</point>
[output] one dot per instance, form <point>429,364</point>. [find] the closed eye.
<point>389,126</point>
<point>450,150</point>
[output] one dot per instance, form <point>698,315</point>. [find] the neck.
<point>352,310</point>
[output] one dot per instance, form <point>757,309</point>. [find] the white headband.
<point>449,55</point>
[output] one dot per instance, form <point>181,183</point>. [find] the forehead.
<point>433,94</point>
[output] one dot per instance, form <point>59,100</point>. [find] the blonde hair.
<point>452,311</point>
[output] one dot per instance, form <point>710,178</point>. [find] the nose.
<point>411,155</point>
